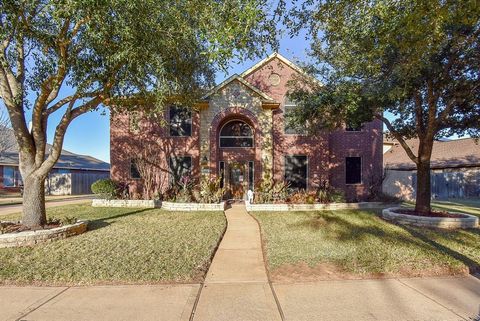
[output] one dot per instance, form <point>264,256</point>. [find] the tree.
<point>418,61</point>
<point>117,53</point>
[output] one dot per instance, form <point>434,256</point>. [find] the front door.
<point>237,180</point>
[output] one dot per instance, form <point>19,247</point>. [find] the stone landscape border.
<point>169,206</point>
<point>172,206</point>
<point>311,207</point>
<point>29,238</point>
<point>99,202</point>
<point>468,221</point>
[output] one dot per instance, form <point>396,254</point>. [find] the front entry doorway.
<point>237,178</point>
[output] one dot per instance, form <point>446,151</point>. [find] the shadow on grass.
<point>103,222</point>
<point>364,226</point>
<point>473,266</point>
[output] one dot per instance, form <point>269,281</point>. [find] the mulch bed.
<point>17,227</point>
<point>429,214</point>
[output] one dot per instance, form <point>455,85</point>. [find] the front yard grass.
<point>123,245</point>
<point>359,244</point>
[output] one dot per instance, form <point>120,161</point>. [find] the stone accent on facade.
<point>29,238</point>
<point>467,221</point>
<point>227,104</point>
<point>311,207</point>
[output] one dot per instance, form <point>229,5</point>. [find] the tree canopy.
<point>119,53</point>
<point>418,61</point>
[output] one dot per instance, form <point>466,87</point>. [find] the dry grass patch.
<point>123,245</point>
<point>359,244</point>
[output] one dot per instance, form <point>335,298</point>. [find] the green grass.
<point>122,246</point>
<point>362,244</point>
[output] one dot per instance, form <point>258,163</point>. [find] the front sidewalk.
<point>237,288</point>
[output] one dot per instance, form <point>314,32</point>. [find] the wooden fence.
<point>72,183</point>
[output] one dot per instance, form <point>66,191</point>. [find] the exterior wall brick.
<point>326,152</point>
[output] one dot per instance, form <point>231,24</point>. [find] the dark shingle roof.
<point>446,154</point>
<point>67,160</point>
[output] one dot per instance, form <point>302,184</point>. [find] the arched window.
<point>236,134</point>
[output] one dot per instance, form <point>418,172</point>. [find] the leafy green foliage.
<point>405,57</point>
<point>127,55</point>
<point>418,61</point>
<point>105,188</point>
<point>209,190</point>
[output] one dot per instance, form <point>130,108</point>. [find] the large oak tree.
<point>118,53</point>
<point>417,61</point>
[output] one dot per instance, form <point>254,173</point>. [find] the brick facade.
<point>256,97</point>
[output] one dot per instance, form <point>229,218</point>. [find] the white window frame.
<point>236,120</point>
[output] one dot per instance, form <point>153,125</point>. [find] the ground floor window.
<point>296,171</point>
<point>180,166</point>
<point>250,176</point>
<point>353,170</point>
<point>11,176</point>
<point>134,172</point>
<point>222,174</point>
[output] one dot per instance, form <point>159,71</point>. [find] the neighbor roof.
<point>67,160</point>
<point>446,154</point>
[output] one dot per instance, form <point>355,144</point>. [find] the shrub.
<point>209,191</point>
<point>105,188</point>
<point>327,194</point>
<point>267,191</point>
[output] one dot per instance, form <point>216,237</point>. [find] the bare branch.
<point>398,137</point>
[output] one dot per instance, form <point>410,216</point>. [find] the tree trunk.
<point>34,215</point>
<point>424,194</point>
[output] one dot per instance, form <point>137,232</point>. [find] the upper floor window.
<point>236,134</point>
<point>180,121</point>
<point>290,127</point>
<point>353,128</point>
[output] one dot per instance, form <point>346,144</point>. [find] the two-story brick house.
<point>238,132</point>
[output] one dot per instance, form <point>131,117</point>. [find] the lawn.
<point>359,244</point>
<point>123,245</point>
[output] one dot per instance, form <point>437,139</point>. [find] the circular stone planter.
<point>28,238</point>
<point>466,221</point>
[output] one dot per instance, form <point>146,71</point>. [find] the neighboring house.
<point>72,174</point>
<point>238,132</point>
<point>455,168</point>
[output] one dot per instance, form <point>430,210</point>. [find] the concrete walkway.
<point>237,288</point>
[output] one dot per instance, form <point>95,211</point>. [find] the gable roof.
<point>67,160</point>
<point>241,78</point>
<point>282,59</point>
<point>446,154</point>
<point>236,77</point>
